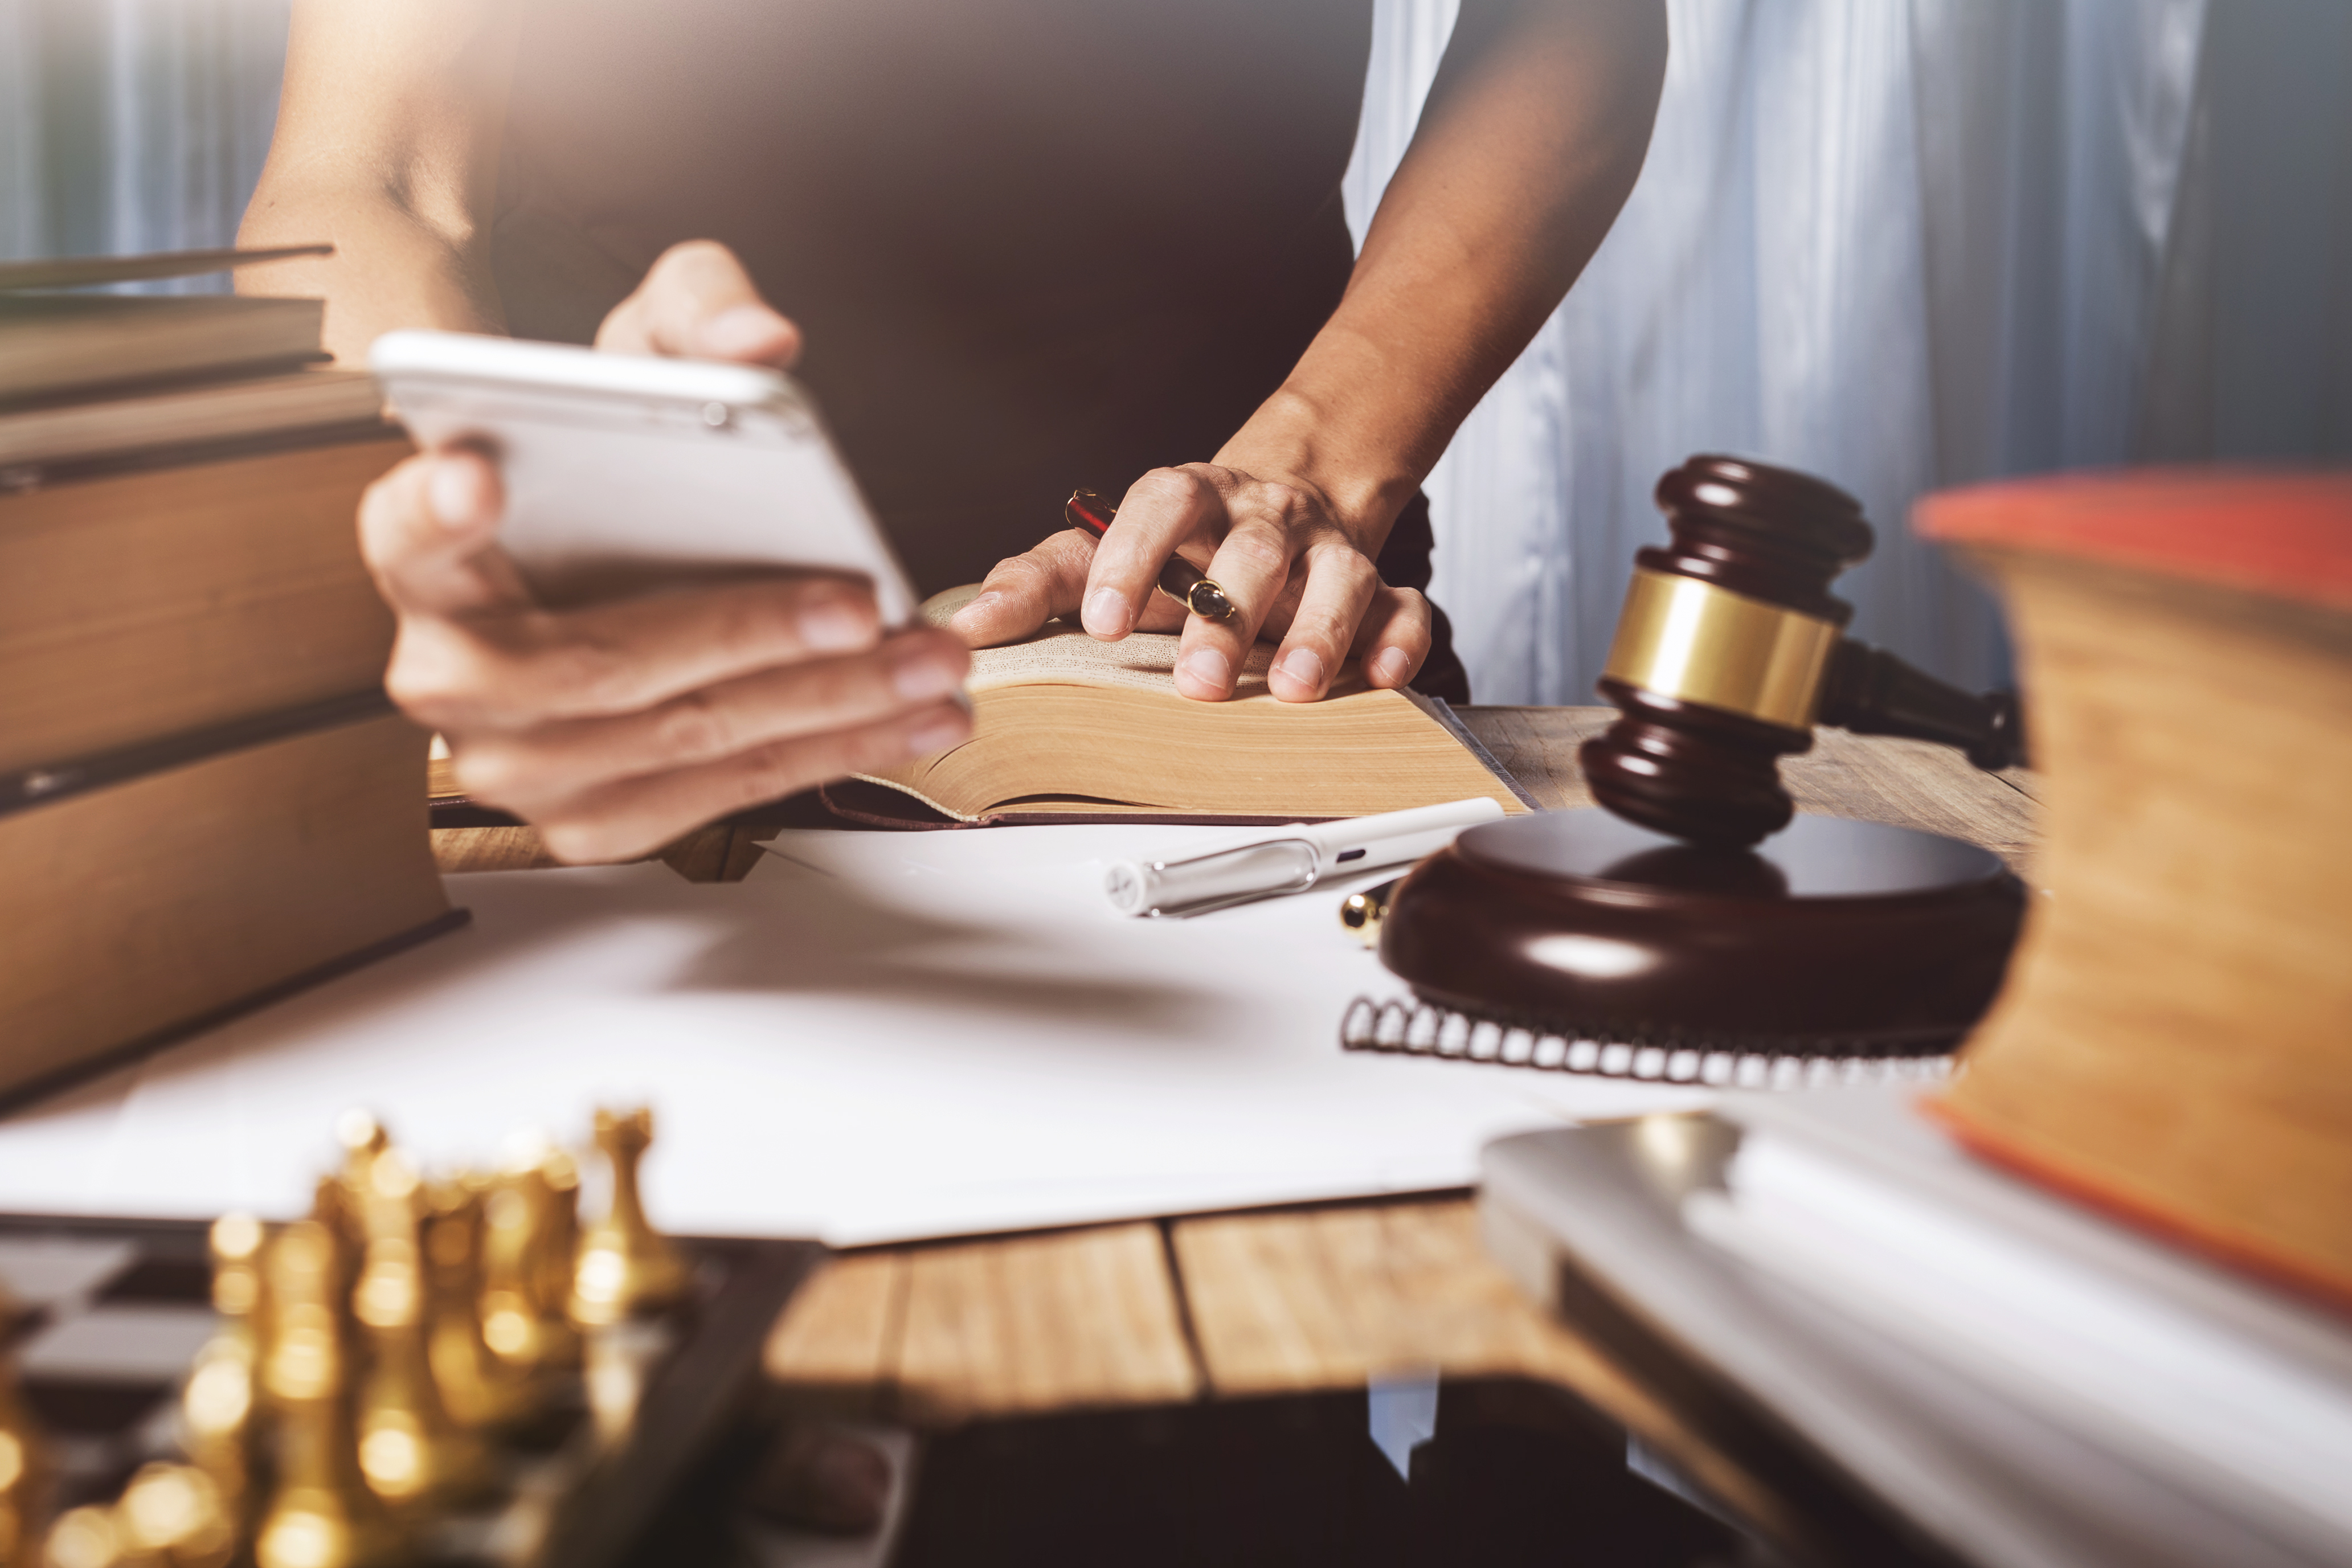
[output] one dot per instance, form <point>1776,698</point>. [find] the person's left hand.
<point>1291,570</point>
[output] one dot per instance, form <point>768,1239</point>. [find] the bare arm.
<point>1529,143</point>
<point>387,146</point>
<point>613,727</point>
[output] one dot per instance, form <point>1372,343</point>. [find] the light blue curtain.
<point>133,125</point>
<point>1898,244</point>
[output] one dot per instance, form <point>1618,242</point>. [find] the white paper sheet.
<point>875,1037</point>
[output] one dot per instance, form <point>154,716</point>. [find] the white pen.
<point>1286,859</point>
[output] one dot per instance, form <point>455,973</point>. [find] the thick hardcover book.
<point>2171,1044</point>
<point>141,601</point>
<point>1070,728</point>
<point>142,907</point>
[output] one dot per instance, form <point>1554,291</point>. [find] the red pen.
<point>1180,580</point>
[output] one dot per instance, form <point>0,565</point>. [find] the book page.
<point>1061,654</point>
<point>1064,655</point>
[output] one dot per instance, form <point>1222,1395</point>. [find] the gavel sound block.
<point>1658,920</point>
<point>1833,938</point>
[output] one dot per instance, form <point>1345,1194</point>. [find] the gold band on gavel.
<point>1695,642</point>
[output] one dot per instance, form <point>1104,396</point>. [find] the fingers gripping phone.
<point>625,472</point>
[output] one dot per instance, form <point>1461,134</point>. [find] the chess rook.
<point>1730,649</point>
<point>625,1268</point>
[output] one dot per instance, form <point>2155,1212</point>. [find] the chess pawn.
<point>410,1450</point>
<point>477,1389</point>
<point>625,1268</point>
<point>27,1478</point>
<point>320,1513</point>
<point>218,1402</point>
<point>526,1218</point>
<point>1730,649</point>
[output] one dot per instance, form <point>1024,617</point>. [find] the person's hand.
<point>615,727</point>
<point>1291,569</point>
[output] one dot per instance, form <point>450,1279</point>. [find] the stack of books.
<point>2155,1384</point>
<point>205,797</point>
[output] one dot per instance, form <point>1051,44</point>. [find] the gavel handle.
<point>1872,691</point>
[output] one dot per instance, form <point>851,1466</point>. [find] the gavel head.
<point>1720,654</point>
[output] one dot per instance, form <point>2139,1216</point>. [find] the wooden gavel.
<point>1731,649</point>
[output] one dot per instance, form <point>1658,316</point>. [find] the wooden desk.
<point>1288,1300</point>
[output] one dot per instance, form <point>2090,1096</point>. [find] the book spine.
<point>24,478</point>
<point>29,788</point>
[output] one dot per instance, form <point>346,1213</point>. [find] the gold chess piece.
<point>410,1449</point>
<point>322,1513</point>
<point>625,1268</point>
<point>362,1137</point>
<point>218,1404</point>
<point>27,1479</point>
<point>558,1253</point>
<point>85,1537</point>
<point>172,1516</point>
<point>530,1233</point>
<point>477,1389</point>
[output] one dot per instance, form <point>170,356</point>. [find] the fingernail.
<point>835,626</point>
<point>1208,668</point>
<point>454,492</point>
<point>742,329</point>
<point>937,733</point>
<point>1305,667</point>
<point>916,677</point>
<point>978,604</point>
<point>1106,613</point>
<point>1389,666</point>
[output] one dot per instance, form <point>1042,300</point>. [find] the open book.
<point>1069,726</point>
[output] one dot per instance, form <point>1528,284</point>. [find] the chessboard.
<point>108,1329</point>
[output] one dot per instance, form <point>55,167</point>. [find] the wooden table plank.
<point>836,1349</point>
<point>1913,784</point>
<point>1876,778</point>
<point>1041,1323</point>
<point>1323,1299</point>
<point>1537,745</point>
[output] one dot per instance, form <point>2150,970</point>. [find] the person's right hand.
<point>615,727</point>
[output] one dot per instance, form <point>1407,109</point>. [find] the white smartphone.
<point>625,471</point>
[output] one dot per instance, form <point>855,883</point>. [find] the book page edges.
<point>1428,759</point>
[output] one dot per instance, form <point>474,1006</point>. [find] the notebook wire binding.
<point>1408,1026</point>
